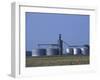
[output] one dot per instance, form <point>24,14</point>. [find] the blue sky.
<point>45,27</point>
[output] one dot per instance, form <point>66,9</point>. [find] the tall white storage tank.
<point>52,51</point>
<point>69,51</point>
<point>38,52</point>
<point>84,50</point>
<point>77,51</point>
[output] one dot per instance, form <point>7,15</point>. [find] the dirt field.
<point>56,60</point>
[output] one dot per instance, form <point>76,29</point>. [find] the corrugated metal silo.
<point>84,50</point>
<point>69,51</point>
<point>52,51</point>
<point>38,52</point>
<point>28,53</point>
<point>77,51</point>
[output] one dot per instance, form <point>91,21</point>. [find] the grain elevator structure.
<point>60,49</point>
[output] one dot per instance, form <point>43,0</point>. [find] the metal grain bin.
<point>84,50</point>
<point>52,51</point>
<point>69,51</point>
<point>77,51</point>
<point>38,52</point>
<point>28,53</point>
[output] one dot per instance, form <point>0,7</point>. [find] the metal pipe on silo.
<point>60,45</point>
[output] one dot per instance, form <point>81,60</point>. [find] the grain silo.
<point>77,51</point>
<point>28,53</point>
<point>69,51</point>
<point>52,51</point>
<point>84,50</point>
<point>38,52</point>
